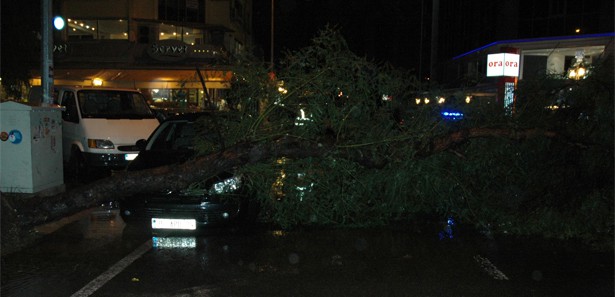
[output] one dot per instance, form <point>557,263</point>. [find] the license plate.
<point>177,224</point>
<point>130,157</point>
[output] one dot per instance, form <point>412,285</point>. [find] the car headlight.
<point>100,144</point>
<point>226,186</point>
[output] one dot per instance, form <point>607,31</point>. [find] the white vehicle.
<point>101,126</point>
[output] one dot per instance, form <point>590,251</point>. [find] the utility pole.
<point>435,32</point>
<point>272,30</point>
<point>46,53</point>
<point>420,76</point>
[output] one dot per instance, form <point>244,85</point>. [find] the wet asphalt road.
<point>99,255</point>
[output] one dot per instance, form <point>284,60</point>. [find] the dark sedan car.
<point>220,200</point>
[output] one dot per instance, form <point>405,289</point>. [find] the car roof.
<point>193,116</point>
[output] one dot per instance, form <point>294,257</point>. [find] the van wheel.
<point>77,169</point>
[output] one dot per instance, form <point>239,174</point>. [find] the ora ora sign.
<point>503,65</point>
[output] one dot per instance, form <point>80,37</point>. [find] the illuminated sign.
<point>503,65</point>
<point>509,97</point>
<point>169,50</point>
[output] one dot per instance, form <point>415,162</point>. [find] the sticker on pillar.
<point>4,136</point>
<point>15,136</point>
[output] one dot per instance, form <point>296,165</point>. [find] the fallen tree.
<point>371,158</point>
<point>32,212</point>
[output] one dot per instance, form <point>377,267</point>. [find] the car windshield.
<point>174,136</point>
<point>113,104</point>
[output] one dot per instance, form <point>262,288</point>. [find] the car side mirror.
<point>141,144</point>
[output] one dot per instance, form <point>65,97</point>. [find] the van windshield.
<point>113,104</point>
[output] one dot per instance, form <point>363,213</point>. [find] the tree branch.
<point>123,184</point>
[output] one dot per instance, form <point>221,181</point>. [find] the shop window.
<point>534,67</point>
<point>182,99</point>
<point>113,29</point>
<point>79,29</point>
<point>186,34</point>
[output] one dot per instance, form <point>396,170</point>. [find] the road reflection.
<point>103,223</point>
<point>174,242</point>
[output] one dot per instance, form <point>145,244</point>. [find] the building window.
<point>79,29</point>
<point>181,10</point>
<point>186,34</point>
<point>237,11</point>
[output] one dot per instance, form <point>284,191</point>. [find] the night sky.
<point>388,30</point>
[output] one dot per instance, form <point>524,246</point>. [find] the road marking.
<point>118,267</point>
<point>490,268</point>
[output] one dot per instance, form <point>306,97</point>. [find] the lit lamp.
<point>97,82</point>
<point>578,70</point>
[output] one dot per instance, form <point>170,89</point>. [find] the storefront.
<point>166,88</point>
<point>485,70</point>
<point>176,66</point>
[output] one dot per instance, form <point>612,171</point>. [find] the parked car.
<point>100,127</point>
<point>221,200</point>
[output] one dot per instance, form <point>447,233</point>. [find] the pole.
<point>46,53</point>
<point>421,50</point>
<point>271,37</point>
<point>435,32</point>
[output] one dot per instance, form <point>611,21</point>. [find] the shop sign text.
<point>503,65</point>
<point>168,50</point>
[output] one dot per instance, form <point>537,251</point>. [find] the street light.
<point>58,23</point>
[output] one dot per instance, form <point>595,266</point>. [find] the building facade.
<point>179,52</point>
<point>462,26</point>
<point>485,74</point>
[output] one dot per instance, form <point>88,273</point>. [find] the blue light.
<point>447,233</point>
<point>58,23</point>
<point>452,115</point>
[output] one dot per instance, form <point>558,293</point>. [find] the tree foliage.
<point>540,171</point>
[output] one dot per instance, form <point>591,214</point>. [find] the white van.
<point>101,126</point>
